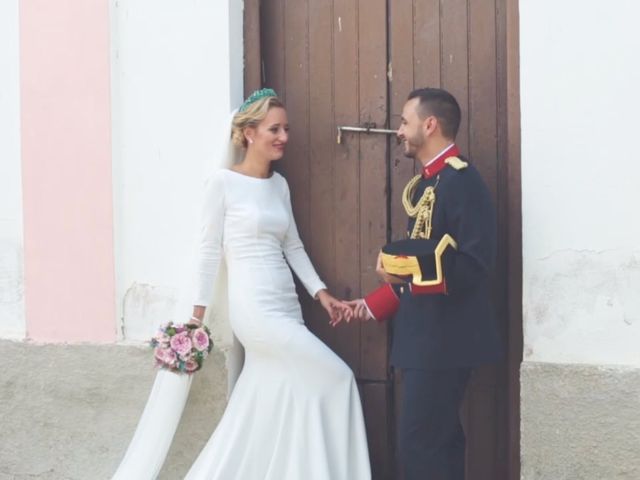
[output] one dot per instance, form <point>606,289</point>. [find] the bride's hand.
<point>195,321</point>
<point>197,315</point>
<point>337,310</point>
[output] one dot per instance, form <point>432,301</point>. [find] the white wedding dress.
<point>295,411</point>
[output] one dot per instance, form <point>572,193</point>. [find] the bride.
<point>294,411</point>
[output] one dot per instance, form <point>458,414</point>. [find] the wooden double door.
<point>353,63</point>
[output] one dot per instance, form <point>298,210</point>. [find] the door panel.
<point>353,62</point>
<point>371,157</point>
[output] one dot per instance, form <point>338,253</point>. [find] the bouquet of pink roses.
<point>181,347</point>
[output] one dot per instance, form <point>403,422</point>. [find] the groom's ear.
<point>429,125</point>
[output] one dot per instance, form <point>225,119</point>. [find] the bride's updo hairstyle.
<point>252,112</point>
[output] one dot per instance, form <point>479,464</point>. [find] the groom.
<point>441,331</point>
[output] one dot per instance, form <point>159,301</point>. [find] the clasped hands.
<point>348,310</point>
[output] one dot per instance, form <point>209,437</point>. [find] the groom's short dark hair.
<point>442,105</point>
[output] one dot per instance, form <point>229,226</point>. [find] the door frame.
<point>511,125</point>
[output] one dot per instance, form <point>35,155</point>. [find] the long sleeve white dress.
<point>295,411</point>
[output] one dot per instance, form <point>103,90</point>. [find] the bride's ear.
<point>249,134</point>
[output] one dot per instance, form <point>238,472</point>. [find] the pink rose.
<point>181,343</point>
<point>190,365</point>
<point>166,356</point>
<point>200,339</point>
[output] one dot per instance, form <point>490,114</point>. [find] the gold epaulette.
<point>456,163</point>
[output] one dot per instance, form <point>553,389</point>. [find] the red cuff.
<point>428,290</point>
<point>383,303</point>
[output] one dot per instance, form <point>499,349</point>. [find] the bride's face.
<point>271,135</point>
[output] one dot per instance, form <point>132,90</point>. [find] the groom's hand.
<point>384,275</point>
<point>360,310</point>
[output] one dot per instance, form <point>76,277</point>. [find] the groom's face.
<point>411,132</point>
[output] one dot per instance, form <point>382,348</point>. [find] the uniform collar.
<point>438,163</point>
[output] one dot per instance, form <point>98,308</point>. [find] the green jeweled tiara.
<point>257,95</point>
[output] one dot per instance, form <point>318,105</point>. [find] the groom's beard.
<point>413,145</point>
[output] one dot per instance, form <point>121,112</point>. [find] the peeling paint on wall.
<point>144,308</point>
<point>583,307</point>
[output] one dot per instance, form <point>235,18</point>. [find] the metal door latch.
<point>368,127</point>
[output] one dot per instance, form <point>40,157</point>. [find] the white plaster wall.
<point>12,322</point>
<point>580,98</point>
<point>176,74</point>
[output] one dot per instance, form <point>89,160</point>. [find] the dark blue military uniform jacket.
<point>457,329</point>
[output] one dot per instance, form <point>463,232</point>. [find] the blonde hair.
<point>251,117</point>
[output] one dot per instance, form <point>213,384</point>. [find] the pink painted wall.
<point>66,157</point>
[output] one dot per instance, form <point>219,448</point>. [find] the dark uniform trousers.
<point>432,441</point>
